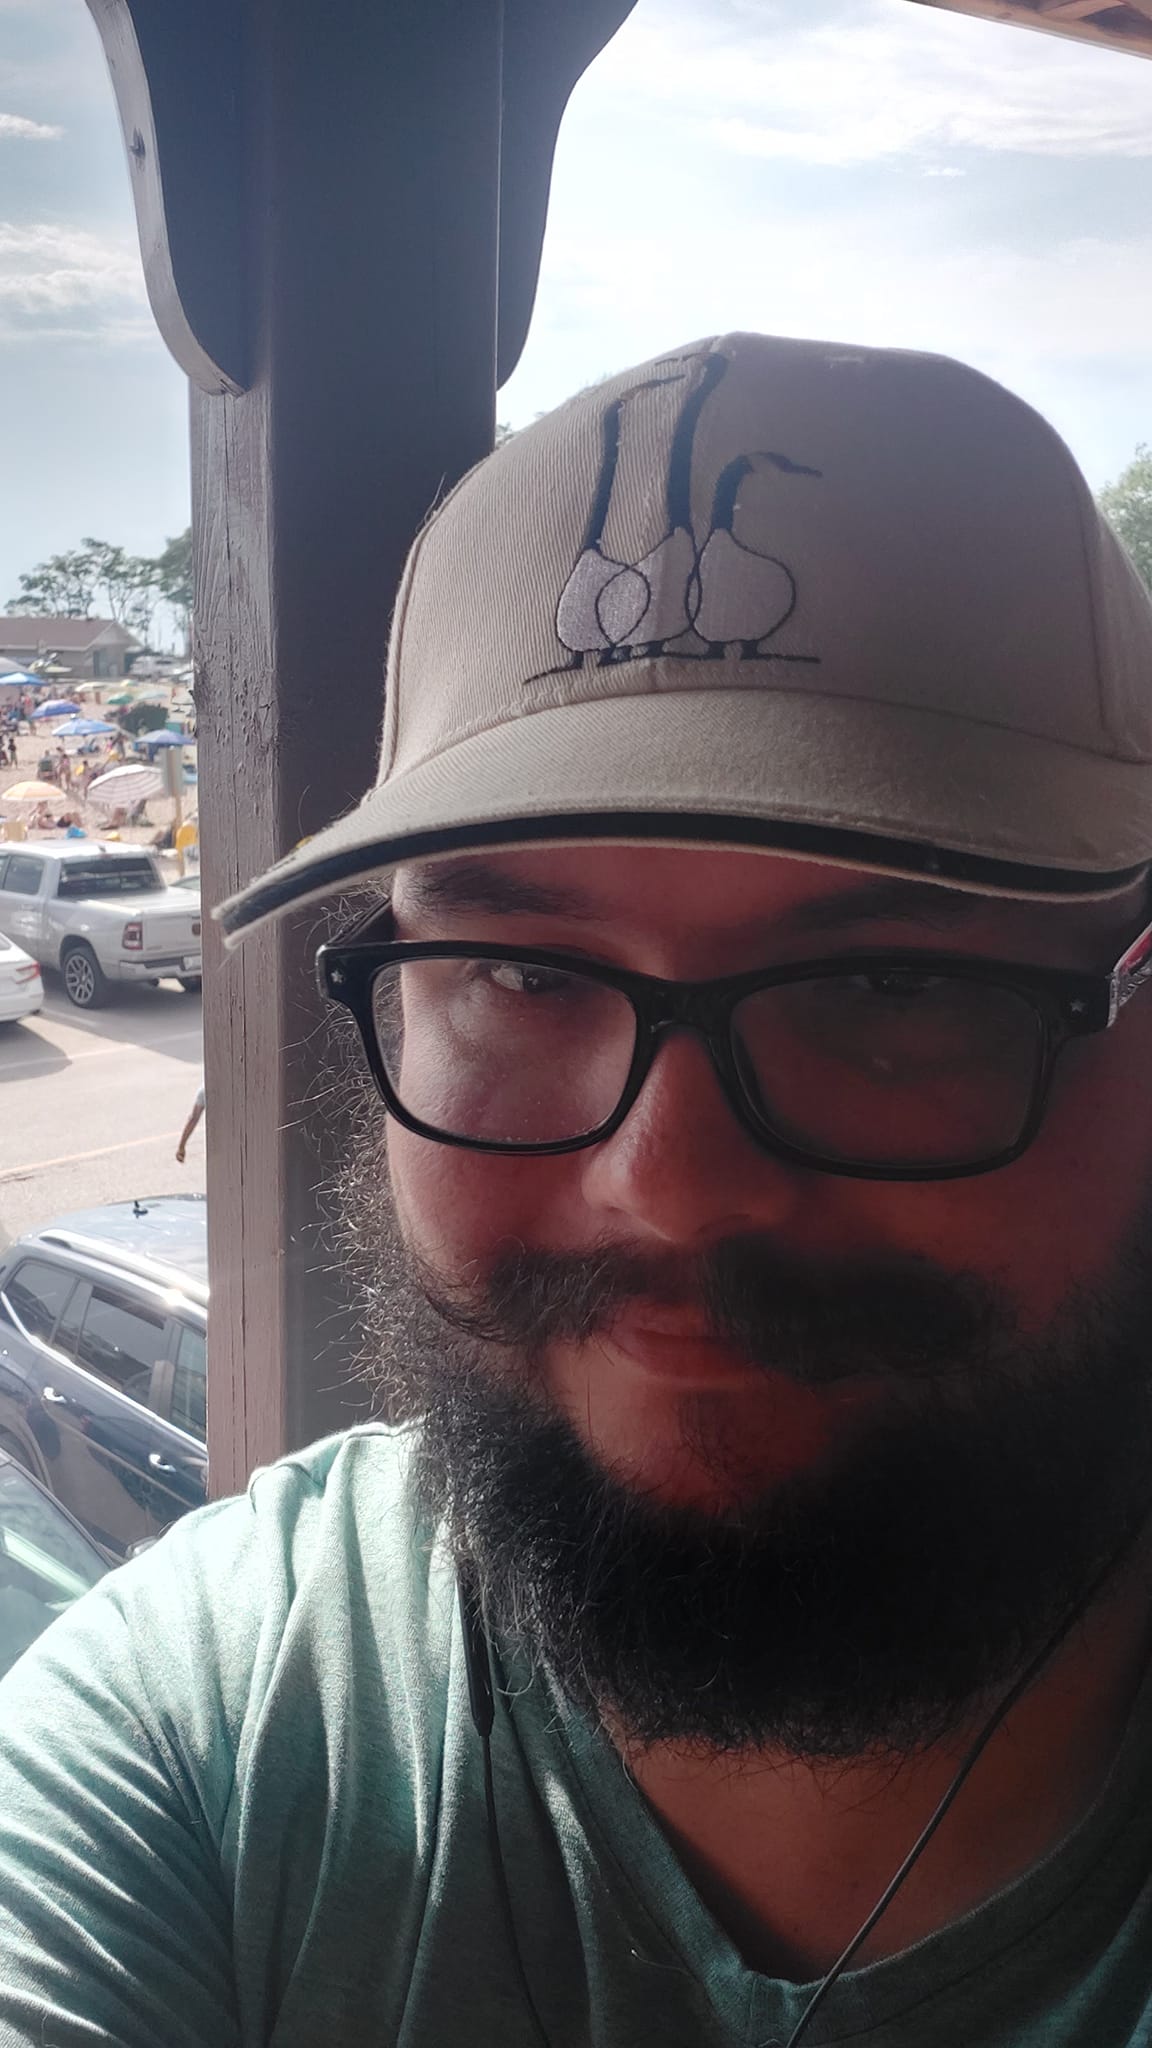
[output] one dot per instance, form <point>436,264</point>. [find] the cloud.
<point>17,128</point>
<point>887,81</point>
<point>68,282</point>
<point>1064,322</point>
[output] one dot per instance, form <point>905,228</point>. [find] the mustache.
<point>815,1320</point>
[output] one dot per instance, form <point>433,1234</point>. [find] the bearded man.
<point>738,1632</point>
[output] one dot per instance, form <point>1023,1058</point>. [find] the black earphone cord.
<point>479,1653</point>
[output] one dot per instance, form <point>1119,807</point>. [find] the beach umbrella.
<point>56,709</point>
<point>81,728</point>
<point>128,785</point>
<point>30,793</point>
<point>165,738</point>
<point>121,697</point>
<point>14,677</point>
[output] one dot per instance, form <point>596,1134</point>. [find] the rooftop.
<point>61,635</point>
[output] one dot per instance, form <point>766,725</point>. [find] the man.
<point>743,1638</point>
<point>191,1121</point>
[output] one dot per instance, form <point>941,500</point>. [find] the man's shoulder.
<point>352,1495</point>
<point>329,1546</point>
<point>370,1462</point>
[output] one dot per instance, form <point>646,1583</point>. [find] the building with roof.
<point>98,649</point>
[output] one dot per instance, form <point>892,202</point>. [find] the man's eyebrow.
<point>885,902</point>
<point>471,886</point>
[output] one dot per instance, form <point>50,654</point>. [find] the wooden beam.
<point>176,74</point>
<point>1069,10</point>
<point>182,77</point>
<point>1112,24</point>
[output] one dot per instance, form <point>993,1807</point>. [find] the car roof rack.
<point>171,1279</point>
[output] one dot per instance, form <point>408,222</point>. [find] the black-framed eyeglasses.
<point>884,1066</point>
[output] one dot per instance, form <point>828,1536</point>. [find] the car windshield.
<point>45,1562</point>
<point>109,877</point>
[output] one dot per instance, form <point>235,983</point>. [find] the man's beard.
<point>866,1607</point>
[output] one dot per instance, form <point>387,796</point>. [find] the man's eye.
<point>897,984</point>
<point>521,980</point>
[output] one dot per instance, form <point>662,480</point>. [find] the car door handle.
<point>56,1400</point>
<point>160,1464</point>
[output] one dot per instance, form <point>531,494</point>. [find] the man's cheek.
<point>1055,1219</point>
<point>456,1206</point>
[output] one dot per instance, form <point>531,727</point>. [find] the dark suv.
<point>102,1354</point>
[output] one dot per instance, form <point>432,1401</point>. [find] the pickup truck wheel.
<point>190,983</point>
<point>85,982</point>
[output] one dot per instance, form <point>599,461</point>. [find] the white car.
<point>21,989</point>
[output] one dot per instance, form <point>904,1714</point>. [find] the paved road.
<point>91,1105</point>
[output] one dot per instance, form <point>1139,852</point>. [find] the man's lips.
<point>679,1346</point>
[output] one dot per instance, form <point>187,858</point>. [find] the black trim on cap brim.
<point>828,842</point>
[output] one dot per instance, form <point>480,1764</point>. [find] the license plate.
<point>191,963</point>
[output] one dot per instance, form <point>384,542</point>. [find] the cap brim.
<point>835,779</point>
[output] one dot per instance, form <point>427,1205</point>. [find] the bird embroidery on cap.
<point>701,601</point>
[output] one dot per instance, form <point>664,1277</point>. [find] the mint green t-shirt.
<point>242,1801</point>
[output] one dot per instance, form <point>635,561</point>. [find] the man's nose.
<point>682,1170</point>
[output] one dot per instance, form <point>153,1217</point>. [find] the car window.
<point>36,1293</point>
<point>68,1328</point>
<point>3,867</point>
<point>45,1563</point>
<point>188,1383</point>
<point>108,876</point>
<point>23,876</point>
<point>121,1341</point>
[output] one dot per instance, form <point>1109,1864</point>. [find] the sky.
<point>870,171</point>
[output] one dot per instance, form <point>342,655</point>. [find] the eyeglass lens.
<point>502,1051</point>
<point>898,1069</point>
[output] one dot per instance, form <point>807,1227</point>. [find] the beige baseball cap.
<point>851,604</point>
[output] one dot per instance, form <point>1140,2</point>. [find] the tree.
<point>1127,505</point>
<point>127,584</point>
<point>174,570</point>
<point>97,574</point>
<point>173,567</point>
<point>62,587</point>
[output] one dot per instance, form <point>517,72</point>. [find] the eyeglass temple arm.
<point>1131,971</point>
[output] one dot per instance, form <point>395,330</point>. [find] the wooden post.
<point>339,206</point>
<point>374,387</point>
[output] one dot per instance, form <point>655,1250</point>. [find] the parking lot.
<point>91,1105</point>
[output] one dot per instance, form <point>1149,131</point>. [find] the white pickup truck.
<point>101,914</point>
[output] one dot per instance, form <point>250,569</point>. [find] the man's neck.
<point>791,1857</point>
